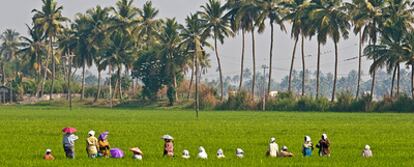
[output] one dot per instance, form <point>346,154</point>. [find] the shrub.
<point>239,101</point>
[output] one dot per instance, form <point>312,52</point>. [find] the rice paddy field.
<point>27,131</point>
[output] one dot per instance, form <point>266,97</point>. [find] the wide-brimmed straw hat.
<point>167,137</point>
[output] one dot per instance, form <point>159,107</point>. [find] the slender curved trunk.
<point>191,83</point>
<point>3,80</point>
<point>197,80</point>
<point>254,62</point>
<point>412,81</point>
<point>336,72</point>
<point>291,65</point>
<point>303,65</point>
<point>373,78</point>
<point>270,60</point>
<point>392,82</point>
<point>42,91</point>
<point>120,83</point>
<point>242,59</point>
<point>83,80</point>
<point>398,79</point>
<point>53,69</point>
<point>110,85</point>
<point>219,68</point>
<point>318,67</point>
<point>98,92</point>
<point>359,65</point>
<point>69,84</point>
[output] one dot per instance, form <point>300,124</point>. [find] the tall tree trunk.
<point>303,65</point>
<point>3,77</point>
<point>98,92</point>
<point>219,68</point>
<point>69,85</point>
<point>242,59</point>
<point>44,78</point>
<point>197,80</point>
<point>373,78</point>
<point>110,85</point>
<point>392,82</point>
<point>336,72</point>
<point>175,86</point>
<point>270,60</point>
<point>191,83</point>
<point>83,80</point>
<point>53,69</point>
<point>318,70</point>
<point>412,81</point>
<point>291,65</point>
<point>254,62</point>
<point>120,83</point>
<point>398,79</point>
<point>359,65</point>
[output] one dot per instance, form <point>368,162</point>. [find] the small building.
<point>6,95</point>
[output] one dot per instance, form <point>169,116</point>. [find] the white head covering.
<point>91,133</point>
<point>367,147</point>
<point>239,153</point>
<point>284,148</point>
<point>202,153</point>
<point>324,136</point>
<point>186,154</point>
<point>308,138</point>
<point>272,140</point>
<point>48,150</point>
<point>167,137</point>
<point>136,156</point>
<point>220,153</point>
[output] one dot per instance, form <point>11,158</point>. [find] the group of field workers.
<point>99,147</point>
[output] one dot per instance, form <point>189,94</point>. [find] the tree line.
<point>126,40</point>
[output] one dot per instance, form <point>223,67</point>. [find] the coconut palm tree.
<point>217,27</point>
<point>272,11</point>
<point>336,25</point>
<point>170,41</point>
<point>246,17</point>
<point>100,19</point>
<point>84,50</point>
<point>194,42</point>
<point>33,49</point>
<point>50,20</point>
<point>298,15</point>
<point>10,42</point>
<point>233,7</point>
<point>149,26</point>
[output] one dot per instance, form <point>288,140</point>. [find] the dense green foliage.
<point>39,127</point>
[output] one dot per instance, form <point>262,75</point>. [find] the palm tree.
<point>84,50</point>
<point>299,18</point>
<point>170,41</point>
<point>270,9</point>
<point>218,27</point>
<point>99,18</point>
<point>33,50</point>
<point>149,27</point>
<point>193,41</point>
<point>355,12</point>
<point>8,50</point>
<point>50,20</point>
<point>335,23</point>
<point>233,7</point>
<point>246,16</point>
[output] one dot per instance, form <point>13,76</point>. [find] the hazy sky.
<point>15,14</point>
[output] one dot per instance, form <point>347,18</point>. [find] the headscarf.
<point>367,147</point>
<point>324,136</point>
<point>284,148</point>
<point>202,153</point>
<point>220,153</point>
<point>239,153</point>
<point>272,140</point>
<point>91,133</point>
<point>103,135</point>
<point>186,154</point>
<point>307,139</point>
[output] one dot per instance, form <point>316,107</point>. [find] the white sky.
<point>15,14</point>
